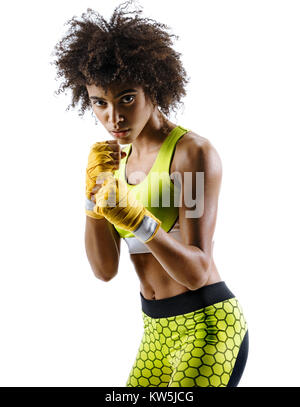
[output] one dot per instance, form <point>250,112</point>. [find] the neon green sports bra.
<point>156,192</point>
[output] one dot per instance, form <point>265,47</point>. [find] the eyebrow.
<point>118,95</point>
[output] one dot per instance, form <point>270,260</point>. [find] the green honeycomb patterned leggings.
<point>199,348</point>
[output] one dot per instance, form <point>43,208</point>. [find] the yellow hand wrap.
<point>99,165</point>
<point>119,206</point>
<point>99,161</point>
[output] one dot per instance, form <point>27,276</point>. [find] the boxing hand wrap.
<point>148,227</point>
<point>119,205</point>
<point>100,161</point>
<point>89,206</point>
<point>99,164</point>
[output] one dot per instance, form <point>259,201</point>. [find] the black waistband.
<point>187,302</point>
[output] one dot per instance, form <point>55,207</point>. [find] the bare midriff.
<point>156,283</point>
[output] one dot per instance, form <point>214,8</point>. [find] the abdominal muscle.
<point>156,283</point>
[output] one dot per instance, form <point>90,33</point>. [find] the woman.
<point>126,71</point>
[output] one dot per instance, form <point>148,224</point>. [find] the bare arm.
<point>102,244</point>
<point>188,261</point>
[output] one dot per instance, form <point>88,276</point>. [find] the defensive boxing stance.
<point>159,194</point>
<point>197,338</point>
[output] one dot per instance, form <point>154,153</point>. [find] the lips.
<point>120,133</point>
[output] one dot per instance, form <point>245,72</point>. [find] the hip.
<point>211,309</point>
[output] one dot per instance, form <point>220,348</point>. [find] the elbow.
<point>199,278</point>
<point>104,271</point>
<point>105,276</point>
<point>195,284</point>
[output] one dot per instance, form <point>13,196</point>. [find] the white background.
<point>60,326</point>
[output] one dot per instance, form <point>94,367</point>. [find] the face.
<point>121,108</point>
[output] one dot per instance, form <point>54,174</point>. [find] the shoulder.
<point>197,153</point>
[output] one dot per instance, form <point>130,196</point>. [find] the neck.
<point>152,136</point>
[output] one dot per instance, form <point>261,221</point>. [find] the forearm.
<point>101,248</point>
<point>186,264</point>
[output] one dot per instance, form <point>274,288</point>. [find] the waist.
<point>188,301</point>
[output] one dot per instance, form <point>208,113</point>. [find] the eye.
<point>101,103</point>
<point>129,96</point>
<point>98,101</point>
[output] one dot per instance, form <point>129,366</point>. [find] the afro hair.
<point>127,48</point>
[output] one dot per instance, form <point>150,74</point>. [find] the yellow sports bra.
<point>157,192</point>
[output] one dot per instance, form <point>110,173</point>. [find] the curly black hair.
<point>124,49</point>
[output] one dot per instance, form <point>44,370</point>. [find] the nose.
<point>114,117</point>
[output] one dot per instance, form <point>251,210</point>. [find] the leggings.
<point>195,339</point>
